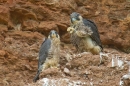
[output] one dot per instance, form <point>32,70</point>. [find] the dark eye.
<point>77,18</point>
<point>55,32</point>
<point>77,14</point>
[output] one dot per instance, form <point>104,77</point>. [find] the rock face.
<point>25,23</point>
<point>112,18</point>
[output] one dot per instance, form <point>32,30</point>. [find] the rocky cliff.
<point>25,23</point>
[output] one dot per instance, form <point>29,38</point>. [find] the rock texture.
<point>25,23</point>
<point>112,18</point>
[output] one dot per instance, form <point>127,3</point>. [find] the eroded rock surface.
<point>25,23</point>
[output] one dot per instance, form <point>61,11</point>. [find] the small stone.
<point>68,65</point>
<point>87,72</point>
<point>2,52</point>
<point>67,71</point>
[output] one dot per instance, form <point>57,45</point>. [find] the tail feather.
<point>37,76</point>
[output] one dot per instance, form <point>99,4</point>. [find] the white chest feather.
<point>88,43</point>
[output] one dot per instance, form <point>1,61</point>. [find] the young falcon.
<point>49,53</point>
<point>84,35</point>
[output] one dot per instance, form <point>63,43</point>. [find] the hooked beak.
<point>73,19</point>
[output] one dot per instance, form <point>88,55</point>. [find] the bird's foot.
<point>85,53</point>
<point>55,67</point>
<point>70,29</point>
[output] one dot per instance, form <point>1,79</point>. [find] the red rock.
<point>4,15</point>
<point>25,23</point>
<point>45,27</point>
<point>30,25</point>
<point>2,53</point>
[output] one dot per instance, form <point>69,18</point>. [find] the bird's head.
<point>75,18</point>
<point>53,34</point>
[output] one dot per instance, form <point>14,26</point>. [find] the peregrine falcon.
<point>84,35</point>
<point>49,53</point>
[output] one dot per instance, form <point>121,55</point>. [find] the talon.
<point>70,29</point>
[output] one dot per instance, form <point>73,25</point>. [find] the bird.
<point>48,53</point>
<point>84,35</point>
